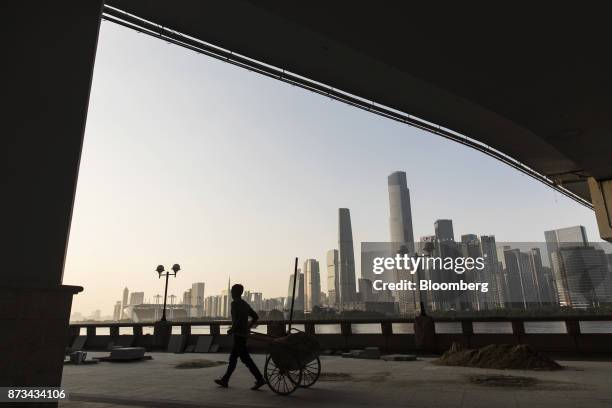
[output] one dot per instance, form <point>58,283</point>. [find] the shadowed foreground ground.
<point>344,383</point>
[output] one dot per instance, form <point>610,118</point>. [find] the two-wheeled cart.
<point>293,360</point>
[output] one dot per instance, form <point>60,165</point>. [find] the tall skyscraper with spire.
<point>400,213</point>
<point>402,237</point>
<point>346,257</point>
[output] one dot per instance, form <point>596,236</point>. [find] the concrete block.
<point>127,353</point>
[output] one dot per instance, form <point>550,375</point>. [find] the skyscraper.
<point>471,248</point>
<point>543,283</point>
<point>583,279</point>
<point>124,302</point>
<point>197,299</point>
<point>312,284</point>
<point>332,277</point>
<point>446,247</point>
<point>346,257</point>
<point>569,237</point>
<point>299,291</point>
<point>492,273</point>
<point>444,230</point>
<point>400,213</point>
<point>565,237</point>
<point>520,280</point>
<point>117,311</point>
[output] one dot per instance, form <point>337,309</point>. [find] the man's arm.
<point>254,317</point>
<point>233,313</point>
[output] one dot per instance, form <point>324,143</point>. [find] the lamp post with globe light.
<point>162,272</point>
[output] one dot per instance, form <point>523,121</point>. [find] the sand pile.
<point>499,356</point>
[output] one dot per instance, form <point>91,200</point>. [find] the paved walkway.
<point>344,383</point>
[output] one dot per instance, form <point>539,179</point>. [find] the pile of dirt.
<point>499,356</point>
<point>199,364</point>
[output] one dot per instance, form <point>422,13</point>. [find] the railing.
<point>584,334</point>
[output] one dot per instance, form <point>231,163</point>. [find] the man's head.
<point>237,290</point>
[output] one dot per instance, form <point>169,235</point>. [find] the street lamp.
<point>162,272</point>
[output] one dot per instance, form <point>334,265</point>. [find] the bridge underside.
<point>532,84</point>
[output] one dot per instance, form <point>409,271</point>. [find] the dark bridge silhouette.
<point>530,87</point>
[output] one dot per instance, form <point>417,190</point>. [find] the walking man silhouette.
<point>241,311</point>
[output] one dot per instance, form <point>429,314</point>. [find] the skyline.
<point>200,167</point>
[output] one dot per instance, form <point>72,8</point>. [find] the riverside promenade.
<point>343,383</point>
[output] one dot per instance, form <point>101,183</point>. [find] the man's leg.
<point>245,357</point>
<point>233,360</point>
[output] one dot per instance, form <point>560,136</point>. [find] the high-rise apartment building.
<point>312,285</point>
<point>332,277</point>
<point>583,279</point>
<point>569,237</point>
<point>492,274</point>
<point>299,291</point>
<point>444,230</point>
<point>124,301</point>
<point>117,311</point>
<point>197,299</point>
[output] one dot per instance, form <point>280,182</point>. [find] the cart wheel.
<point>282,382</point>
<point>311,372</point>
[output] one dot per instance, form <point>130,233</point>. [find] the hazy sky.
<point>190,160</point>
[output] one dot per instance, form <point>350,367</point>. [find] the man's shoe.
<point>258,384</point>
<point>221,382</point>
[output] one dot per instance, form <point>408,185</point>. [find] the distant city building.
<point>213,306</point>
<point>365,290</point>
<point>446,247</point>
<point>369,252</point>
<point>346,259</point>
<point>520,280</point>
<point>471,248</point>
<point>273,304</point>
<point>569,237</point>
<point>197,299</point>
<point>136,298</point>
<point>400,213</point>
<point>583,278</point>
<point>117,311</point>
<point>187,301</point>
<point>332,277</point>
<point>299,292</point>
<point>124,302</point>
<point>254,299</point>
<point>312,284</point>
<point>545,289</point>
<point>444,230</point>
<point>565,237</point>
<point>492,274</point>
